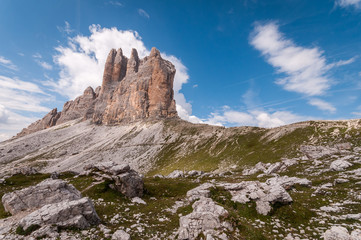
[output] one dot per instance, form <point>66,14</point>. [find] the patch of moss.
<point>26,232</point>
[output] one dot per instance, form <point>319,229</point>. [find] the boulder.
<point>120,235</point>
<point>340,165</point>
<point>47,192</point>
<point>130,184</point>
<point>200,191</point>
<point>175,174</point>
<point>288,182</point>
<point>78,213</point>
<point>206,218</point>
<point>341,233</point>
<point>126,180</point>
<point>264,194</point>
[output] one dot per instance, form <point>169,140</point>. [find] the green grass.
<point>242,149</point>
<point>28,231</point>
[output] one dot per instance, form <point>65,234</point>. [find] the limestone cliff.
<point>132,89</point>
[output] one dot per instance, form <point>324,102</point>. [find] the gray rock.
<point>175,174</point>
<point>24,171</point>
<point>288,182</point>
<point>340,165</point>
<point>47,192</point>
<point>200,191</point>
<point>205,218</point>
<point>263,193</point>
<point>341,233</point>
<point>316,152</point>
<point>130,184</point>
<point>126,180</point>
<point>194,173</point>
<point>77,213</point>
<point>120,235</point>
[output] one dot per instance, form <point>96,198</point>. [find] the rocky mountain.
<point>132,89</point>
<point>122,165</point>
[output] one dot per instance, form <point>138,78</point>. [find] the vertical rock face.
<point>144,91</point>
<point>132,89</point>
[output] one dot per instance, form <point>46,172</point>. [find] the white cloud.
<point>348,3</point>
<point>12,123</point>
<point>20,95</point>
<point>82,63</point>
<point>37,57</point>
<point>45,65</point>
<point>115,3</point>
<point>252,118</point>
<point>305,68</point>
<point>7,63</point>
<point>323,105</point>
<point>4,115</point>
<point>14,83</point>
<point>66,28</point>
<point>143,13</point>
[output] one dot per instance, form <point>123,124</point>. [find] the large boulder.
<point>130,184</point>
<point>47,192</point>
<point>206,218</point>
<point>126,180</point>
<point>77,213</point>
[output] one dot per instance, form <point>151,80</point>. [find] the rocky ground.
<point>301,181</point>
<point>316,195</point>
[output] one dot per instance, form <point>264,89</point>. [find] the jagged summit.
<point>132,89</point>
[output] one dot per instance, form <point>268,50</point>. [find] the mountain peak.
<point>132,89</point>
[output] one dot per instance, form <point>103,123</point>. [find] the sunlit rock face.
<point>132,89</point>
<point>135,88</point>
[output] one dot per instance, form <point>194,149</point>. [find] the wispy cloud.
<point>65,29</point>
<point>143,13</point>
<point>21,95</point>
<point>115,3</point>
<point>7,63</point>
<point>38,59</point>
<point>16,98</point>
<point>305,68</point>
<point>45,65</point>
<point>323,105</point>
<point>349,3</point>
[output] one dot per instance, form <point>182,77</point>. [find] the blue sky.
<point>246,62</point>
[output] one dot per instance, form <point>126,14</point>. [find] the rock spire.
<point>132,89</point>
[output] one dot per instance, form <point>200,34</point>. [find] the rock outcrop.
<point>78,213</point>
<point>126,180</point>
<point>132,89</point>
<point>206,218</point>
<point>47,192</point>
<point>49,120</point>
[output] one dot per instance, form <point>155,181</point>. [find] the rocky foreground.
<point>316,195</point>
